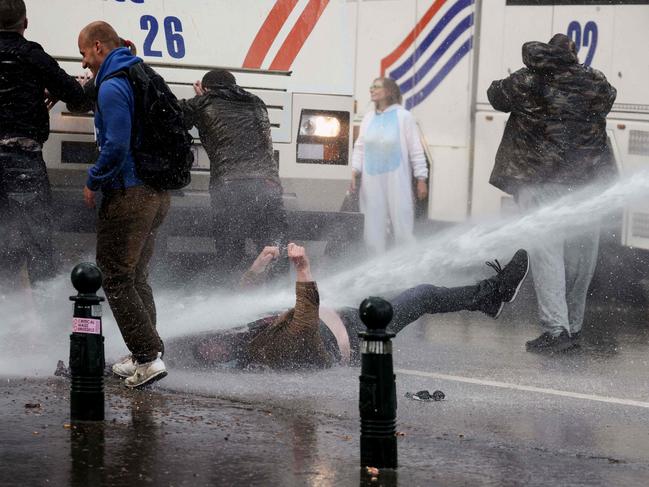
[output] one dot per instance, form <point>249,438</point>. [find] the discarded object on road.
<point>377,394</point>
<point>62,370</point>
<point>86,346</point>
<point>426,396</point>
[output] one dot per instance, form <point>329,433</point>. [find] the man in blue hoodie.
<point>130,213</point>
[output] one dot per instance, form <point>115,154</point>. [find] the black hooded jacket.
<point>234,129</point>
<point>556,132</point>
<point>25,72</point>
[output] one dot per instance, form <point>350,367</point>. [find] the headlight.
<point>323,137</point>
<point>320,126</point>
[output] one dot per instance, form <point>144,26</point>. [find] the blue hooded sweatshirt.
<point>114,168</point>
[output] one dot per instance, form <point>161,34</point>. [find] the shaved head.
<point>96,41</point>
<point>99,31</point>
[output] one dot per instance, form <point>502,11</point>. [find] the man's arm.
<point>189,112</point>
<point>190,107</point>
<point>416,155</point>
<point>59,84</point>
<point>606,94</point>
<point>307,299</point>
<point>255,275</point>
<point>89,99</point>
<point>505,94</point>
<point>499,96</point>
<point>298,256</point>
<point>115,109</point>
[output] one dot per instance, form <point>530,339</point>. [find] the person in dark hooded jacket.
<point>245,189</point>
<point>555,142</point>
<point>25,196</point>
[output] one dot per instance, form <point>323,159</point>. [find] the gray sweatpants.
<point>562,268</point>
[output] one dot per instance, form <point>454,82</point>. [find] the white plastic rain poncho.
<point>387,153</point>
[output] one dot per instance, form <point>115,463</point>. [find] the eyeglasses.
<point>375,87</point>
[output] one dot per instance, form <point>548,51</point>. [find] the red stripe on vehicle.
<point>410,38</point>
<point>298,35</point>
<point>268,32</point>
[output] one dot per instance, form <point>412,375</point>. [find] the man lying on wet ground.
<point>312,336</point>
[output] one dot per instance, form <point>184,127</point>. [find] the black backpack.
<point>160,142</point>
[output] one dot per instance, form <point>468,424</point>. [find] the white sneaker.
<point>125,367</point>
<point>146,373</point>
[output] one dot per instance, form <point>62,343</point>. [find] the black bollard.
<point>87,454</point>
<point>86,346</point>
<point>377,393</point>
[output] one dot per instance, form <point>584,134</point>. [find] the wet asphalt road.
<point>510,418</point>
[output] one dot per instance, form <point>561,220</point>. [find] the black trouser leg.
<point>271,227</point>
<point>26,210</point>
<point>247,209</point>
<point>230,225</point>
<point>415,302</point>
<point>37,228</point>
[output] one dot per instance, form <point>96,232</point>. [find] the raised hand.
<point>263,259</point>
<point>297,255</point>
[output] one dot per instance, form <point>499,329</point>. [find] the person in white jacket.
<point>387,153</point>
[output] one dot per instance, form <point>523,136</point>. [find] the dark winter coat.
<point>234,129</point>
<point>556,132</point>
<point>26,71</point>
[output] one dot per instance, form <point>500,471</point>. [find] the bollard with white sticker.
<point>86,346</point>
<point>378,392</point>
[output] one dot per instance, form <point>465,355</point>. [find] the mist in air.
<point>34,338</point>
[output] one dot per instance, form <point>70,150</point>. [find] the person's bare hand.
<point>50,101</point>
<point>297,255</point>
<point>85,78</point>
<point>353,182</point>
<point>263,259</point>
<point>422,189</point>
<point>198,88</point>
<point>89,197</point>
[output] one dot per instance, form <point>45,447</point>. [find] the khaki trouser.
<point>126,230</point>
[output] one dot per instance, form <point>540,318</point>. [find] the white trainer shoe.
<point>125,367</point>
<point>146,373</point>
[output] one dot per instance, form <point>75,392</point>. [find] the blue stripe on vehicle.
<point>459,29</point>
<point>421,95</point>
<point>430,37</point>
